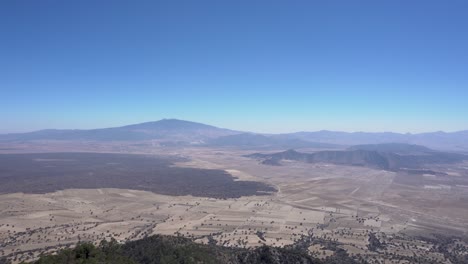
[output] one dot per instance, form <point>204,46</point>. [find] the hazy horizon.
<point>261,66</point>
<point>231,128</point>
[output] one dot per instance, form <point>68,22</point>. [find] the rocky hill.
<point>368,157</point>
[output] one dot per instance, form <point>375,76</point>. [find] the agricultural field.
<point>387,216</point>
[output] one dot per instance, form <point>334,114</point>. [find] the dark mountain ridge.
<point>385,160</point>
<point>400,148</point>
<point>366,158</point>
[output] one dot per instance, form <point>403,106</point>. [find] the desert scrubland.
<point>384,215</point>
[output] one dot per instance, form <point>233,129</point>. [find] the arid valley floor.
<point>337,206</point>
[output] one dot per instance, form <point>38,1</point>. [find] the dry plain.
<point>335,204</point>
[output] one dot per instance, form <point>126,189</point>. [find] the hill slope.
<point>385,160</point>
<point>168,249</point>
<point>400,148</point>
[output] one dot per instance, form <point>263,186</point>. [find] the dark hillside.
<point>361,157</point>
<point>400,148</point>
<point>160,249</point>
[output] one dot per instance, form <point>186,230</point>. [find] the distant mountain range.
<point>180,132</point>
<point>385,157</point>
<point>165,129</point>
<point>398,148</point>
<point>249,140</point>
<point>438,140</point>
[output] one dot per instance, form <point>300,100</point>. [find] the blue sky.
<point>265,66</point>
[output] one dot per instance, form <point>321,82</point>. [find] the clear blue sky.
<point>266,66</point>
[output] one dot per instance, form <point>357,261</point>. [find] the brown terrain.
<point>131,190</point>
